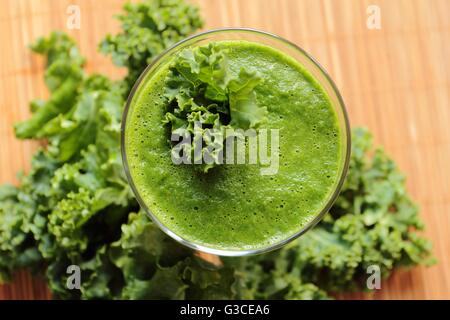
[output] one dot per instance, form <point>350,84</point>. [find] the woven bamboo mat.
<point>395,81</point>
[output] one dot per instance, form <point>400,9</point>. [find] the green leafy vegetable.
<point>206,98</point>
<point>75,206</point>
<point>148,28</point>
<point>63,76</point>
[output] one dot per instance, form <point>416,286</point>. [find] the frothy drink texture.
<point>235,207</point>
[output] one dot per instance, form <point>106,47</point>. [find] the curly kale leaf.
<point>23,217</point>
<point>244,111</point>
<point>76,195</point>
<point>272,276</point>
<point>205,98</point>
<point>15,249</point>
<point>63,77</point>
<point>148,28</point>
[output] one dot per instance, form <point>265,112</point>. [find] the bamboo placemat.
<point>394,80</point>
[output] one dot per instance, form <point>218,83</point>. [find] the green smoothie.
<point>235,207</point>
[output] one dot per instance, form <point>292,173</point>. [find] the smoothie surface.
<point>234,207</point>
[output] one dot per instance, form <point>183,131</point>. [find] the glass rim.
<point>332,197</point>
